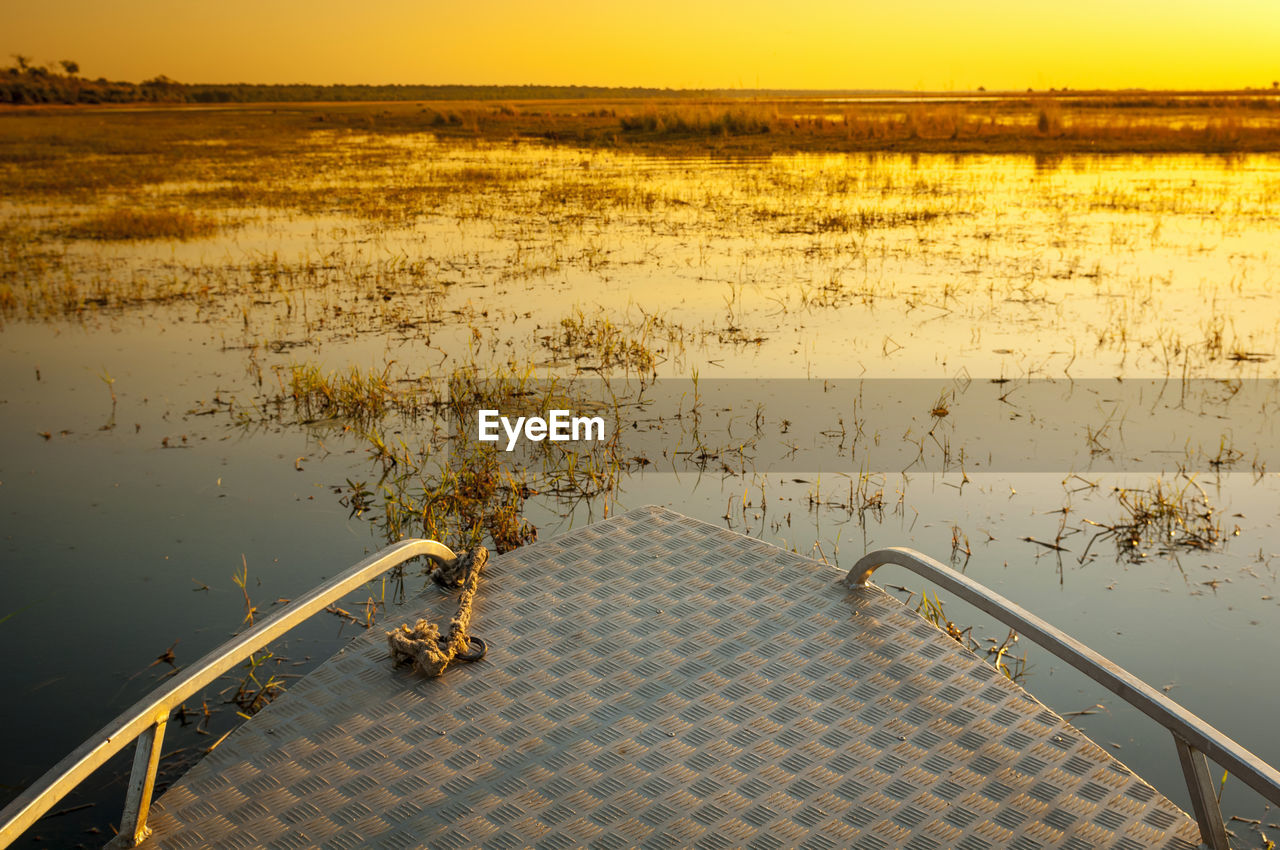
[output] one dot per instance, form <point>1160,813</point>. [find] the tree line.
<point>27,83</point>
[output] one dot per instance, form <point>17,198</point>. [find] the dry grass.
<point>1033,124</point>
<point>695,122</point>
<point>151,144</point>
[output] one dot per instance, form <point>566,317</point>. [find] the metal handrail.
<point>1193,737</point>
<point>146,719</point>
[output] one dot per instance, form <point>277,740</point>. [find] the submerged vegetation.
<point>463,494</point>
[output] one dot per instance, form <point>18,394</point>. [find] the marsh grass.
<point>463,496</point>
<point>1164,516</point>
<point>41,281</point>
<point>866,219</point>
<point>359,396</point>
<point>1036,123</point>
<point>75,156</point>
<point>450,489</point>
<point>598,342</point>
<point>696,122</point>
<point>138,224</point>
<point>443,483</point>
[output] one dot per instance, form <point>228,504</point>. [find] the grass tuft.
<point>354,395</point>
<point>691,122</point>
<point>1163,517</point>
<point>130,224</point>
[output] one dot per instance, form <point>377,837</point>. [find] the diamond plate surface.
<point>655,681</point>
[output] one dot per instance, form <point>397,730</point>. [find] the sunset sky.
<point>910,44</point>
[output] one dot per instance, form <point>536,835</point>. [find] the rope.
<point>431,652</point>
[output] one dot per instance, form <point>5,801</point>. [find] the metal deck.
<point>656,681</point>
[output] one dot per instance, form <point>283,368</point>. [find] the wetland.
<point>241,347</point>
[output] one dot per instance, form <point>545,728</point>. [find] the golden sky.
<point>827,44</point>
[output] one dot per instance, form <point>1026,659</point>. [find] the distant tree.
<point>1275,84</point>
<point>982,88</point>
<point>70,67</point>
<point>23,62</point>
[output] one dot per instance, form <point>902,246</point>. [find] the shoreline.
<point>1035,124</point>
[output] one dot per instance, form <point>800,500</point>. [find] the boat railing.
<point>1194,738</point>
<point>145,721</point>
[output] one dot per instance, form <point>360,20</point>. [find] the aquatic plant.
<point>126,224</point>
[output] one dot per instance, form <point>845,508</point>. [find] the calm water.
<point>142,463</point>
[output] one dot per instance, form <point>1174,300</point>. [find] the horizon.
<point>818,46</point>
<point>1272,89</point>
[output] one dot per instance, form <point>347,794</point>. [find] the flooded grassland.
<point>236,350</point>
